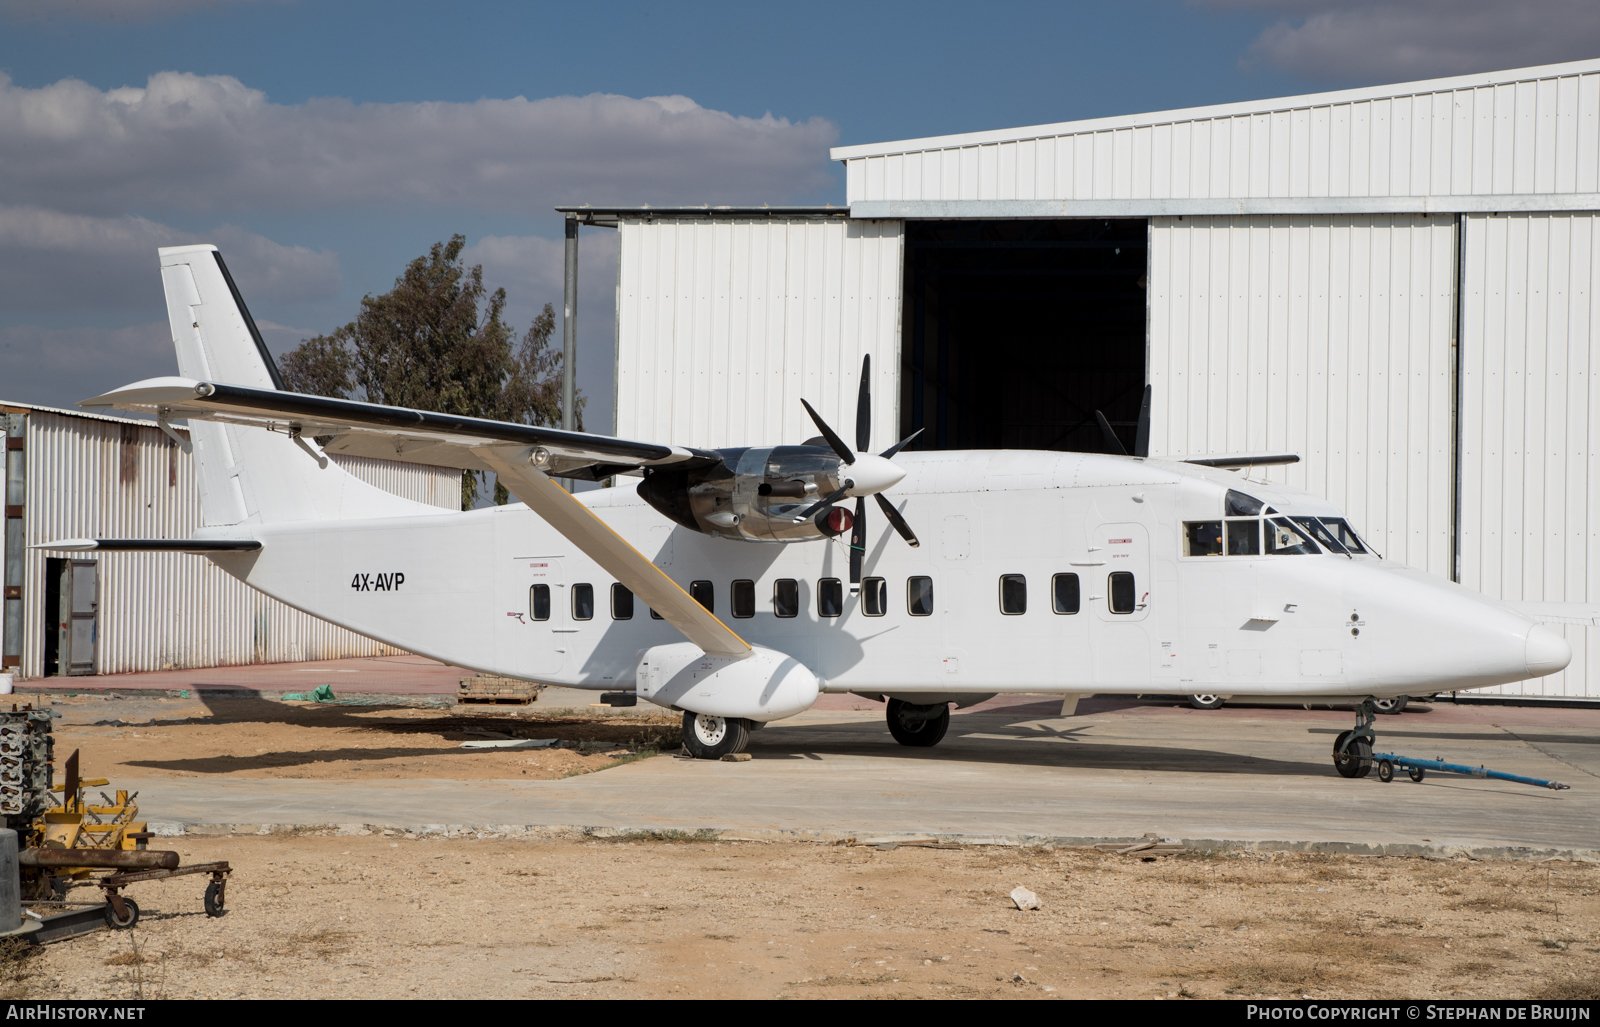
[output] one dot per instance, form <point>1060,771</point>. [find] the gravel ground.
<point>649,917</point>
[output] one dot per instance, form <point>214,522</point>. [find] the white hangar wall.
<point>95,476</point>
<point>1533,131</point>
<point>724,325</point>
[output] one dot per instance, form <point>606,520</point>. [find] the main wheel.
<point>122,923</point>
<point>1391,705</point>
<point>918,725</point>
<point>1356,762</point>
<point>216,899</point>
<point>711,738</point>
<point>1416,774</point>
<point>1206,702</point>
<point>1385,771</point>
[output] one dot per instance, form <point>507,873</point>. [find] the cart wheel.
<point>120,924</point>
<point>1416,774</point>
<point>1385,771</point>
<point>215,899</point>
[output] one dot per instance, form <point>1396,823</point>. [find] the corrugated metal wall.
<point>108,478</point>
<point>1330,336</point>
<point>1535,135</point>
<point>1530,484</point>
<point>723,325</point>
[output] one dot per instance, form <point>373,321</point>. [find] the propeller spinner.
<point>861,474</point>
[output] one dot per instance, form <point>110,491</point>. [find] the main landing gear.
<point>710,738</point>
<point>921,726</point>
<point>1352,750</point>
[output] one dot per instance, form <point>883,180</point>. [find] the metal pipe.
<point>569,326</point>
<point>110,859</point>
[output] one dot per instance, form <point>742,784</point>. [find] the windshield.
<point>1284,538</point>
<point>1341,530</point>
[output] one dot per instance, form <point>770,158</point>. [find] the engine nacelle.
<point>763,686</point>
<point>754,494</point>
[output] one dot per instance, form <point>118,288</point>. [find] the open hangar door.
<point>1015,332</point>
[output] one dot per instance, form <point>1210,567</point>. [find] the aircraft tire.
<point>711,738</point>
<point>1355,763</point>
<point>910,724</point>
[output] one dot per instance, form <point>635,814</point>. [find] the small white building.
<point>76,475</point>
<point>1400,284</point>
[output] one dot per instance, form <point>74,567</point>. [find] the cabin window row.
<point>1065,597</point>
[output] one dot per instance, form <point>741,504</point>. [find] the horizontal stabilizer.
<point>150,545</point>
<point>1236,461</point>
<point>395,432</point>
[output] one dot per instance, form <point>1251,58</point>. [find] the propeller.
<point>1141,438</point>
<point>868,475</point>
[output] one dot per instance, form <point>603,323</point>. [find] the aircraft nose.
<point>1547,652</point>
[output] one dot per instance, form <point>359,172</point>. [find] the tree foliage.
<point>438,341</point>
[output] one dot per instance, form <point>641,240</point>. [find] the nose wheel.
<point>1352,750</point>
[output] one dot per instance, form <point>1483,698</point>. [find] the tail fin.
<point>251,474</point>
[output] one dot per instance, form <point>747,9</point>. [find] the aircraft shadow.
<point>231,764</point>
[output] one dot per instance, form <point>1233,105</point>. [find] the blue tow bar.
<point>1387,762</point>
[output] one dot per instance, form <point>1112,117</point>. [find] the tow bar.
<point>1416,769</point>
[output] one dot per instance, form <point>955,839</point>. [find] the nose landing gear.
<point>1352,750</point>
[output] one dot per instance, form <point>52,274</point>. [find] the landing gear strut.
<point>916,725</point>
<point>1352,750</point>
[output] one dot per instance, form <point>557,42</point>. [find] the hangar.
<point>1397,283</point>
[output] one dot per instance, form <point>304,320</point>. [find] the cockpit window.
<point>1316,530</point>
<point>1244,538</point>
<point>1202,538</point>
<point>1341,530</point>
<point>1241,505</point>
<point>1285,538</point>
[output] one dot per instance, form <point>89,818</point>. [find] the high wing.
<point>521,454</point>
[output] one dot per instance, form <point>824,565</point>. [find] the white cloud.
<point>195,142</point>
<point>104,10</point>
<point>1396,40</point>
<point>66,261</point>
<point>59,366</point>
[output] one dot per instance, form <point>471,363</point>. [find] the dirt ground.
<point>648,917</point>
<point>262,739</point>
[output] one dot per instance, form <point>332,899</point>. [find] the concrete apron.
<point>1259,780</point>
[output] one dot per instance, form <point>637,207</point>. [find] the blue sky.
<point>322,145</point>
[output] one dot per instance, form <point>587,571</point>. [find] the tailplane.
<point>249,474</point>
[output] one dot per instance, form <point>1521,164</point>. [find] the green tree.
<point>437,341</point>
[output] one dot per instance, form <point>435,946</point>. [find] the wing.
<point>369,429</point>
<point>523,455</point>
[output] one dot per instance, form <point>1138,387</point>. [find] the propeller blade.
<point>1112,442</point>
<point>898,446</point>
<point>1141,441</point>
<point>811,510</point>
<point>828,433</point>
<point>895,519</point>
<point>858,540</point>
<point>864,407</point>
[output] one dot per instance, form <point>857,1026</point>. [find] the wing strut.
<point>579,525</point>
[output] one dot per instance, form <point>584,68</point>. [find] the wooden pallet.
<point>493,690</point>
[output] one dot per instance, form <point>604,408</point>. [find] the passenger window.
<point>1202,538</point>
<point>1285,538</point>
<point>786,597</point>
<point>875,597</point>
<point>583,602</point>
<point>744,598</point>
<point>703,593</point>
<point>1013,594</point>
<point>1123,595</point>
<point>539,602</point>
<point>1244,538</point>
<point>1064,593</point>
<point>1241,505</point>
<point>830,597</point>
<point>621,602</point>
<point>919,596</point>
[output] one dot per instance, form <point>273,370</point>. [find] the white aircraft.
<point>730,587</point>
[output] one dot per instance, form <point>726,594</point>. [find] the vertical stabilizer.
<point>251,474</point>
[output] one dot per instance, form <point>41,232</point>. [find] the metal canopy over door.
<point>79,617</point>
